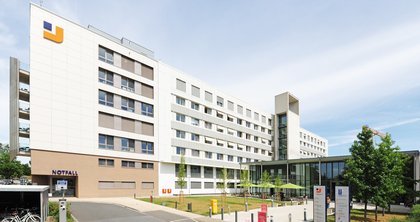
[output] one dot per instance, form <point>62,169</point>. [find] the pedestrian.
<point>328,201</point>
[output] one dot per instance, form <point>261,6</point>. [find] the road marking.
<point>182,220</point>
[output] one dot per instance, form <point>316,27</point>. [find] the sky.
<point>350,63</point>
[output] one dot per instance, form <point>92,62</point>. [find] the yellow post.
<point>214,206</point>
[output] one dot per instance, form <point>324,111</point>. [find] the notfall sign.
<point>64,172</point>
<point>342,204</point>
<point>320,207</point>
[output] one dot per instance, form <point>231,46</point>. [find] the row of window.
<point>107,99</point>
<point>195,106</point>
<point>312,139</point>
<point>220,101</point>
<point>128,64</point>
<point>209,155</point>
<point>207,185</point>
<point>125,164</point>
<point>309,154</point>
<point>195,171</point>
<point>312,146</point>
<point>124,185</point>
<point>125,124</point>
<point>126,144</point>
<point>107,77</point>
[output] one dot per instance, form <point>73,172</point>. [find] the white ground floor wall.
<point>196,184</point>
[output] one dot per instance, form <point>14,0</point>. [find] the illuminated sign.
<point>64,172</point>
<point>57,37</point>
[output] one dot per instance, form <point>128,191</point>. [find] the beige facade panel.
<point>147,129</point>
<point>147,72</point>
<point>127,64</point>
<point>147,91</point>
<point>91,179</point>
<point>106,120</point>
<point>128,125</point>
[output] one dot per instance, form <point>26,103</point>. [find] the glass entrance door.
<point>71,187</point>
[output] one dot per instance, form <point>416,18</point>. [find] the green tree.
<point>361,170</point>
<point>26,169</point>
<point>390,168</point>
<point>265,183</point>
<point>223,185</point>
<point>181,178</point>
<point>9,169</point>
<point>277,184</point>
<point>245,183</point>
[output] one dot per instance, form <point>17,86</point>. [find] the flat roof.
<point>23,188</point>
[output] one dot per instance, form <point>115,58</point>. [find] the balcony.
<point>24,110</point>
<point>24,92</point>
<point>24,130</point>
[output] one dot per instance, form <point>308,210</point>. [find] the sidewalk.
<point>140,206</point>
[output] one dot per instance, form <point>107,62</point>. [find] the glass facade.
<point>282,128</point>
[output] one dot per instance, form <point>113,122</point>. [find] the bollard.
<point>236,216</point>
<point>151,199</point>
<point>176,205</point>
<point>304,214</point>
<point>290,217</point>
<point>272,203</point>
<point>189,206</point>
<point>210,211</point>
<point>271,218</point>
<point>252,217</point>
<point>246,207</point>
<point>222,212</point>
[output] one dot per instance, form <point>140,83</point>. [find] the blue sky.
<point>349,62</point>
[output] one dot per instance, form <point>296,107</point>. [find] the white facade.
<point>211,129</point>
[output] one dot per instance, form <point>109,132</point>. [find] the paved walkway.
<point>278,213</point>
<point>149,209</point>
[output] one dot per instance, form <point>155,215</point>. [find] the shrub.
<point>415,213</point>
<point>54,210</point>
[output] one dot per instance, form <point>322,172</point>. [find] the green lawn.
<point>200,204</point>
<point>358,215</point>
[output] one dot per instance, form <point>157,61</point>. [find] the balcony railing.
<point>24,107</point>
<point>23,87</point>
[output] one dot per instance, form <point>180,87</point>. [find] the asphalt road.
<point>100,212</point>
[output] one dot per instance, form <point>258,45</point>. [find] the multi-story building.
<point>105,115</point>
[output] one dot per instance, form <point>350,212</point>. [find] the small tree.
<point>223,185</point>
<point>245,183</point>
<point>265,183</point>
<point>9,169</point>
<point>277,184</point>
<point>361,169</point>
<point>181,178</point>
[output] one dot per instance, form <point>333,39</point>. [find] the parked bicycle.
<point>25,217</point>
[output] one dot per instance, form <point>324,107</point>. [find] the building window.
<point>248,124</point>
<point>207,110</point>
<point>127,84</point>
<point>220,156</point>
<point>255,127</point>
<point>147,109</point>
<point>127,104</point>
<point>195,185</point>
<point>269,122</point>
<point>220,101</point>
<point>181,85</point>
<point>127,144</point>
<point>208,172</point>
<point>195,153</point>
<point>230,105</point>
<point>207,141</point>
<point>256,116</point>
<point>208,125</point>
<point>106,77</point>
<point>194,121</point>
<point>208,96</point>
<point>106,162</point>
<point>229,118</point>
<point>195,171</point>
<point>147,165</point>
<point>262,129</point>
<point>180,150</point>
<point>106,55</point>
<point>147,147</point>
<point>195,91</point>
<point>239,121</point>
<point>239,134</point>
<point>220,115</point>
<point>255,150</point>
<point>195,106</point>
<point>208,155</point>
<point>208,185</point>
<point>195,137</point>
<point>128,164</point>
<point>248,149</point>
<point>240,109</point>
<point>106,142</point>
<point>147,185</point>
<point>230,158</point>
<point>180,134</point>
<point>248,113</point>
<point>263,119</point>
<point>180,117</point>
<point>256,138</point>
<point>106,98</point>
<point>180,101</point>
<point>239,159</point>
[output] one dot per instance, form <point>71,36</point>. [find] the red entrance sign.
<point>163,190</point>
<point>264,208</point>
<point>169,191</point>
<point>262,216</point>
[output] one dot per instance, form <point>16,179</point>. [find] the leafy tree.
<point>361,169</point>
<point>265,183</point>
<point>9,169</point>
<point>26,169</point>
<point>181,178</point>
<point>277,184</point>
<point>223,185</point>
<point>245,183</point>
